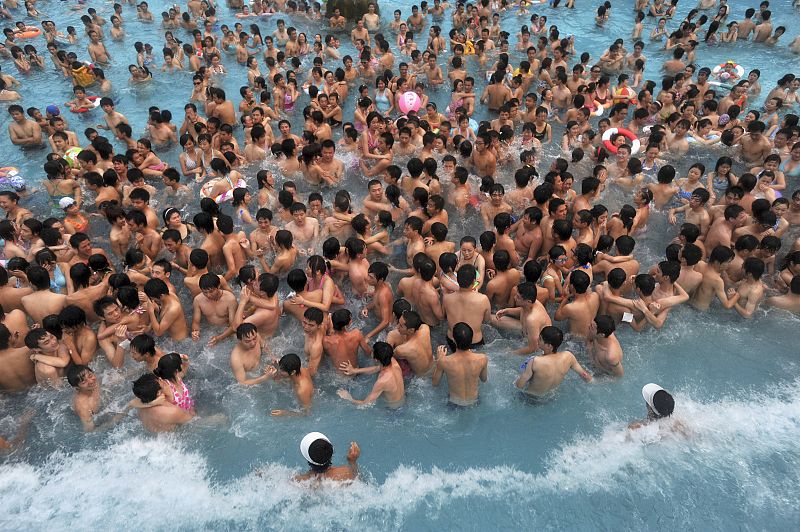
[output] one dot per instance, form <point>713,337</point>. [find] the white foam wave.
<point>747,447</point>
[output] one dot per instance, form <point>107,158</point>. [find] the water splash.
<point>743,447</point>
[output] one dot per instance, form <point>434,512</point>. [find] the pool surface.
<point>510,463</point>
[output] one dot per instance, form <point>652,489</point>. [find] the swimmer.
<point>789,301</point>
<point>217,305</point>
<point>412,345</point>
<point>529,317</point>
<point>246,355</point>
<point>660,406</point>
<point>463,368</point>
<point>603,347</point>
<point>466,305</point>
<point>300,378</point>
<point>155,412</point>
<point>389,383</point>
<point>580,306</point>
<point>342,345</point>
<point>317,450</point>
<point>17,372</point>
<point>87,399</point>
<point>544,373</point>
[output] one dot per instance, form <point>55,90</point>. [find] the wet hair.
<point>290,363</point>
<point>532,271</point>
<point>156,288</point>
<point>552,336</point>
<point>616,277</point>
<point>605,325</point>
<point>209,281</point>
<point>625,244</point>
<point>296,279</point>
<point>199,258</point>
<point>670,269</point>
<point>721,255</point>
<point>462,336</point>
<point>383,353</point>
<point>245,329</point>
<point>692,254</point>
<point>72,316</point>
<point>754,266</point>
<point>448,262</point>
<point>380,270</point>
<point>400,306</point>
<point>646,283</point>
<point>38,277</point>
<point>147,387</point>
<point>169,366</point>
<point>466,276</point>
<point>76,374</point>
<point>580,281</point>
<point>314,314</point>
<point>340,319</point>
<point>745,243</point>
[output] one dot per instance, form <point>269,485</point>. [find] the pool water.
<point>567,462</point>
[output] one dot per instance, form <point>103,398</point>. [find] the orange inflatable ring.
<point>29,33</point>
<point>95,101</point>
<point>610,132</point>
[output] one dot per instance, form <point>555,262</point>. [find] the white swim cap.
<point>305,446</point>
<point>665,406</point>
<point>66,202</point>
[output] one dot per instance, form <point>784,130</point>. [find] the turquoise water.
<point>566,463</point>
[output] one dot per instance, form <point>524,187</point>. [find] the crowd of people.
<point>98,273</point>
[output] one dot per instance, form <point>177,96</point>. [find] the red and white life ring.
<point>95,104</point>
<point>635,144</point>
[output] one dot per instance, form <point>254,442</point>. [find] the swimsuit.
<point>382,101</point>
<point>371,143</point>
<point>81,226</point>
<point>794,172</point>
<point>191,164</point>
<point>288,103</point>
<point>475,345</point>
<point>58,282</point>
<point>547,276</point>
<point>405,367</point>
<point>183,399</point>
<point>540,136</point>
<point>310,288</point>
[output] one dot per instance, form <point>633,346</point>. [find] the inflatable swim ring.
<point>205,190</point>
<point>9,176</point>
<point>95,104</point>
<point>628,92</point>
<point>29,33</point>
<point>469,48</point>
<point>725,76</point>
<point>635,144</point>
<point>71,156</point>
<point>599,111</point>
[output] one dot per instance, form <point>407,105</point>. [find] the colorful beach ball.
<point>409,101</point>
<point>71,156</point>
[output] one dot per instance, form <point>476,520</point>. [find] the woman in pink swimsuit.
<point>171,369</point>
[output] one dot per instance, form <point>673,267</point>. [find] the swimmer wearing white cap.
<point>660,404</point>
<point>317,449</point>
